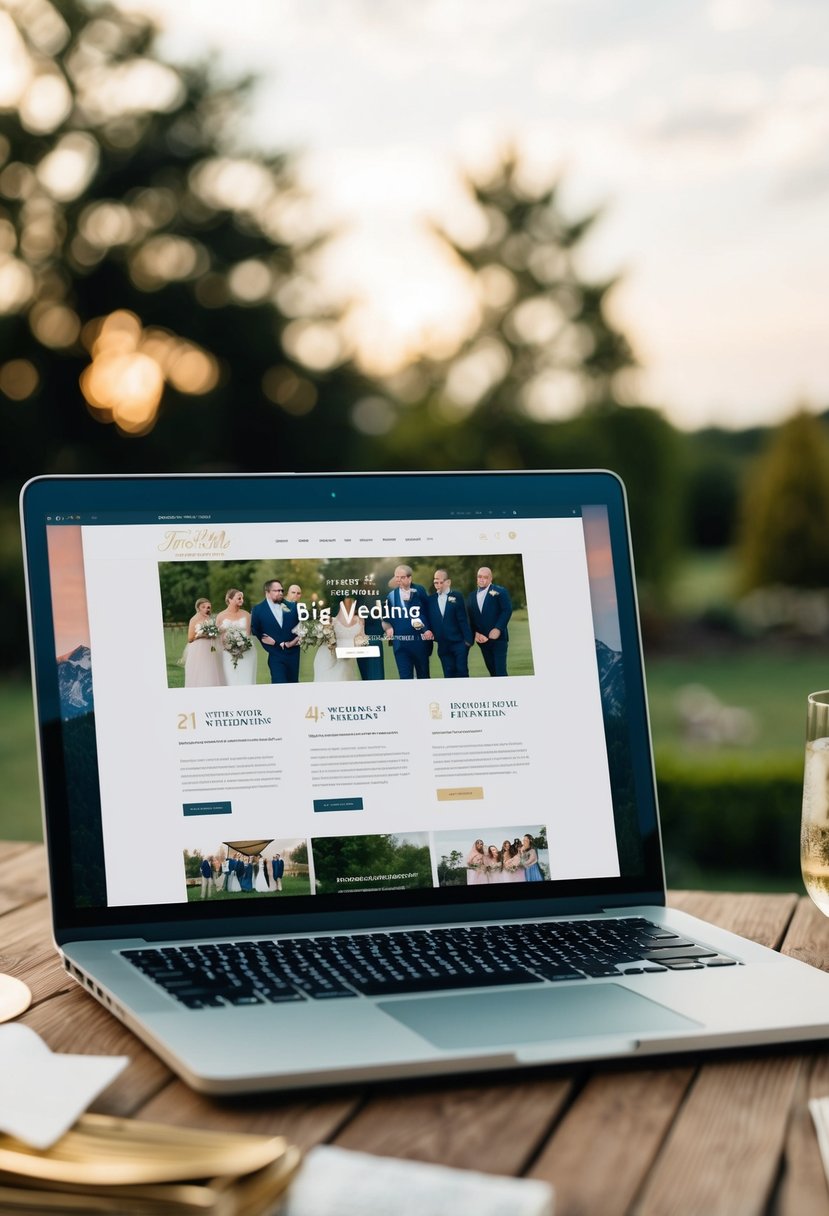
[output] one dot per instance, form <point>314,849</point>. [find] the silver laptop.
<point>355,771</point>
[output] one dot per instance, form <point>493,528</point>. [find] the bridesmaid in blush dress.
<point>494,865</point>
<point>476,865</point>
<point>202,661</point>
<point>511,853</point>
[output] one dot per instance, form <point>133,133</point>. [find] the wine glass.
<point>814,826</point>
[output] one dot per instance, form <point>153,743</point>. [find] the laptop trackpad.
<point>495,1019</point>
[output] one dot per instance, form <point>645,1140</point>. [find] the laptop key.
<point>669,956</point>
<point>447,983</point>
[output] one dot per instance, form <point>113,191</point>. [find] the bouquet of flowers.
<point>236,642</point>
<point>208,629</point>
<point>316,633</point>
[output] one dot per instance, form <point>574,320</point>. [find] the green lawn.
<point>704,580</point>
<point>772,685</point>
<point>292,884</point>
<point>20,816</point>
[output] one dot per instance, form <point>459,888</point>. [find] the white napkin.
<point>337,1182</point>
<point>820,1115</point>
<point>43,1093</point>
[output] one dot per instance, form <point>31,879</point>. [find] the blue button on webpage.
<point>338,804</point>
<point>207,808</point>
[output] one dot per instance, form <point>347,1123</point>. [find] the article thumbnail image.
<point>240,869</point>
<point>333,620</point>
<point>493,856</point>
<point>357,864</point>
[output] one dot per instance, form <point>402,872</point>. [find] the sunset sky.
<point>66,574</point>
<point>702,127</point>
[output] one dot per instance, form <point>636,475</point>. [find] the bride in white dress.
<point>260,882</point>
<point>235,616</point>
<point>327,666</point>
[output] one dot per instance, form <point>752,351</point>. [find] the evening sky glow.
<point>702,128</point>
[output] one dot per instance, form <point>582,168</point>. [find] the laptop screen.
<point>278,695</point>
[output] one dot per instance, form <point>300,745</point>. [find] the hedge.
<point>729,814</point>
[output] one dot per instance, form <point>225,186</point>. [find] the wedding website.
<point>337,708</point>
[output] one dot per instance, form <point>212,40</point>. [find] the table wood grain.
<point>714,1135</point>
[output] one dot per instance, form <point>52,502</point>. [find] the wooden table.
<point>727,1134</point>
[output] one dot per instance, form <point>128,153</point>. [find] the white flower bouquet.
<point>207,629</point>
<point>236,642</point>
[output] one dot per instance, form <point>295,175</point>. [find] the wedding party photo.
<point>235,869</point>
<point>493,856</point>
<point>334,620</point>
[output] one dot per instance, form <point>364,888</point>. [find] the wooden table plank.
<point>27,930</point>
<point>22,877</point>
<point>600,1155</point>
<point>74,1022</point>
<point>306,1122</point>
<point>721,1157</point>
<point>494,1128</point>
<point>761,918</point>
<point>42,970</point>
<point>808,936</point>
<point>803,1189</point>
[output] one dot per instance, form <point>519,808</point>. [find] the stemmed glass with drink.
<point>814,825</point>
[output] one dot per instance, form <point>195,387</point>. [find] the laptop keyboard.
<point>392,964</point>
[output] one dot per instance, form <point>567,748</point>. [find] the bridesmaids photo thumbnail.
<point>331,620</point>
<point>237,869</point>
<point>493,856</point>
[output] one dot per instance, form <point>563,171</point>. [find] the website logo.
<point>206,542</point>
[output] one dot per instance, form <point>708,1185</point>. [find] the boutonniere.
<point>452,599</point>
<point>493,593</point>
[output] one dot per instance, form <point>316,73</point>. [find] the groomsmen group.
<point>453,621</point>
<point>415,623</point>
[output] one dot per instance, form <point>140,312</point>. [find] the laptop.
<point>355,771</point>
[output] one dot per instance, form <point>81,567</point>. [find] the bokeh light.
<point>18,379</point>
<point>124,383</point>
<point>293,393</point>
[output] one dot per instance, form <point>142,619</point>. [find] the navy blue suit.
<point>283,664</point>
<point>453,633</point>
<point>495,614</point>
<point>411,652</point>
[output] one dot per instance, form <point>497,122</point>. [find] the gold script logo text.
<point>188,540</point>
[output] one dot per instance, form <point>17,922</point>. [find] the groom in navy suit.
<point>273,622</point>
<point>407,623</point>
<point>489,610</point>
<point>449,625</point>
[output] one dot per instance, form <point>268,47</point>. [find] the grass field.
<point>20,799</point>
<point>771,685</point>
<point>292,884</point>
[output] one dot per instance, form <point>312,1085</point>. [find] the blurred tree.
<point>717,462</point>
<point>541,380</point>
<point>181,584</point>
<point>156,310</point>
<point>785,509</point>
<point>299,856</point>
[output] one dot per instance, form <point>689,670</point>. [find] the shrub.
<point>730,815</point>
